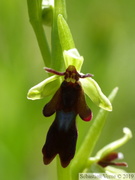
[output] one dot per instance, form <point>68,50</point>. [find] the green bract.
<point>90,86</point>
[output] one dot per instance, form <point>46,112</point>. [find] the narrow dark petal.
<point>121,164</point>
<point>85,75</point>
<point>54,72</point>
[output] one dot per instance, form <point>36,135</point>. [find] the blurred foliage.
<point>104,34</point>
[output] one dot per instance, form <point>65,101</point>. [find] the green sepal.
<point>72,57</point>
<point>92,89</point>
<point>45,88</point>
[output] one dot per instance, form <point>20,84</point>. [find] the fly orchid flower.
<point>104,159</point>
<point>91,88</point>
<point>67,102</point>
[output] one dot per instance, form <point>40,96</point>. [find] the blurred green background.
<point>104,33</point>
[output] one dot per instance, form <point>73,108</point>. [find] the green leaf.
<point>92,89</point>
<point>45,88</point>
<point>65,35</point>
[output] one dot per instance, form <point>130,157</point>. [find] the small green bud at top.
<point>47,12</point>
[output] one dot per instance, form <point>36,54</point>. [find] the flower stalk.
<point>63,173</point>
<point>35,16</point>
<point>57,54</point>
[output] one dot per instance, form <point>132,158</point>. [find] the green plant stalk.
<point>63,173</point>
<point>57,63</point>
<point>57,59</point>
<point>57,53</point>
<point>80,160</point>
<point>35,16</point>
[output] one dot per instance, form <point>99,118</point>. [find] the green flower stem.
<point>57,59</point>
<point>63,173</point>
<point>57,54</point>
<point>35,11</point>
<point>80,160</point>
